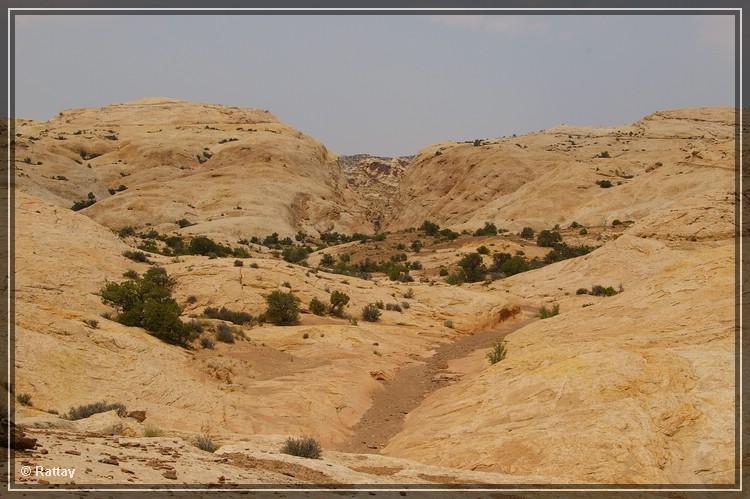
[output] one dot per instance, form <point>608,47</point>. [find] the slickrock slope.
<point>635,388</point>
<point>233,172</point>
<point>632,388</point>
<point>549,177</point>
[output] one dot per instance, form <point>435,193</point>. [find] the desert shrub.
<point>92,323</point>
<point>604,184</point>
<point>545,313</point>
<point>150,431</point>
<point>416,245</point>
<point>149,246</point>
<point>130,274</point>
<point>409,294</point>
<point>24,399</point>
<point>562,251</point>
<point>415,265</point>
<point>406,305</point>
<point>202,245</point>
<point>327,261</point>
<point>616,222</point>
<point>575,225</point>
<point>207,342</point>
<point>527,233</point>
<point>225,314</point>
<point>191,299</point>
<point>474,269</point>
<point>282,308</point>
<point>429,228</point>
<point>477,142</point>
<point>195,327</point>
<point>456,278</point>
<point>547,238</point>
<point>302,447</point>
<point>317,307</point>
<point>238,263</point>
<point>498,352</point>
<point>87,410</point>
<point>448,235</point>
<point>489,229</point>
<point>224,333</point>
<point>126,231</point>
<point>603,154</point>
<point>394,307</point>
<point>147,302</point>
<point>370,313</point>
<point>443,272</point>
<point>598,290</point>
<point>338,300</point>
<point>405,278</point>
<point>448,324</point>
<point>582,291</point>
<point>380,304</point>
<point>84,203</point>
<point>483,250</point>
<point>583,231</point>
<point>136,256</point>
<point>205,442</point>
<point>294,254</point>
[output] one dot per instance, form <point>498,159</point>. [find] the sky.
<point>385,85</point>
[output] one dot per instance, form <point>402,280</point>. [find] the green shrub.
<point>443,271</point>
<point>602,291</point>
<point>548,238</point>
<point>147,302</point>
<point>238,263</point>
<point>202,245</point>
<point>616,222</point>
<point>317,307</point>
<point>498,352</point>
<point>394,307</point>
<point>604,184</point>
<point>207,342</point>
<point>582,291</point>
<point>294,254</point>
<point>327,261</point>
<point>545,313</point>
<point>302,447</point>
<point>416,246</point>
<point>474,269</point>
<point>527,233</point>
<point>126,231</point>
<point>575,225</point>
<point>136,256</point>
<point>483,250</point>
<point>225,314</point>
<point>338,300</point>
<point>456,278</point>
<point>87,410</point>
<point>92,323</point>
<point>370,313</point>
<point>489,229</point>
<point>24,399</point>
<point>583,231</point>
<point>282,308</point>
<point>224,333</point>
<point>603,154</point>
<point>429,228</point>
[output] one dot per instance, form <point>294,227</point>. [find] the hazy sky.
<point>383,85</point>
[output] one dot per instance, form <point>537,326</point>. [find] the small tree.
<point>416,245</point>
<point>498,352</point>
<point>327,261</point>
<point>282,308</point>
<point>430,228</point>
<point>527,233</point>
<point>548,238</point>
<point>473,267</point>
<point>339,300</point>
